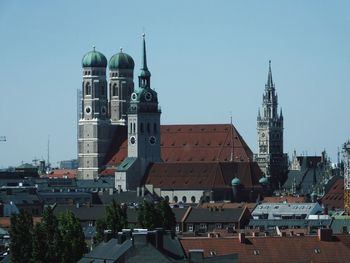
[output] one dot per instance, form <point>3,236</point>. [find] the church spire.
<point>145,75</point>
<point>269,77</point>
<point>144,57</point>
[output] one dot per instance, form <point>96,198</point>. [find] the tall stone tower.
<point>94,122</point>
<point>121,85</point>
<point>143,131</point>
<point>271,159</point>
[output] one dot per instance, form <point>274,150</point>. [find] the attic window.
<point>317,251</point>
<point>256,252</point>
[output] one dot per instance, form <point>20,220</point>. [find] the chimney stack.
<point>241,237</point>
<point>325,234</point>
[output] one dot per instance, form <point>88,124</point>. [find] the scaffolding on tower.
<point>346,160</point>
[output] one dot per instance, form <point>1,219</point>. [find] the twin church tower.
<point>106,107</point>
<point>109,105</point>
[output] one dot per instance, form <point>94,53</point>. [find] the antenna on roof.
<point>231,156</point>
<point>48,155</point>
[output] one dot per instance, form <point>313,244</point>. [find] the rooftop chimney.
<point>241,237</point>
<point>324,234</point>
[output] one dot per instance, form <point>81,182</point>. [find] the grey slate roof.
<point>179,213</point>
<point>103,182</point>
<point>20,198</point>
<point>107,252</point>
<point>123,197</point>
<point>84,213</point>
<point>203,215</point>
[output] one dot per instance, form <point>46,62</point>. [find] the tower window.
<point>148,128</point>
<point>141,127</point>
<point>87,89</point>
<point>134,126</point>
<point>102,90</point>
<point>130,127</point>
<point>115,90</point>
<point>155,128</point>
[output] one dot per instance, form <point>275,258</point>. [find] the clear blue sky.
<point>207,58</point>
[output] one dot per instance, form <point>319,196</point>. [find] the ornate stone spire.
<point>145,74</point>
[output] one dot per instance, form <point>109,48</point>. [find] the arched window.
<point>166,198</point>
<point>115,90</point>
<point>175,199</point>
<point>184,199</point>
<point>87,89</point>
<point>193,199</point>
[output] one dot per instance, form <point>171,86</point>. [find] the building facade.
<point>346,161</point>
<point>270,157</point>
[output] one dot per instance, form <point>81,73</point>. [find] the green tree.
<point>21,237</point>
<point>148,216</point>
<point>53,237</point>
<point>167,216</point>
<point>39,244</point>
<point>73,242</point>
<point>116,217</point>
<point>101,226</point>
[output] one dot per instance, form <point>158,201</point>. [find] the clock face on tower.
<point>133,96</point>
<point>132,140</point>
<point>148,96</point>
<point>152,140</point>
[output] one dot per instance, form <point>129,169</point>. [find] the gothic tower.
<point>271,159</point>
<point>143,131</point>
<point>94,122</point>
<point>121,85</point>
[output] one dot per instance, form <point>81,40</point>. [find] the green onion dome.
<point>121,60</point>
<point>263,181</point>
<point>94,59</point>
<point>235,181</point>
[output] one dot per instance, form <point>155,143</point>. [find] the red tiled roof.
<point>207,175</point>
<point>5,222</point>
<point>334,198</point>
<point>63,173</point>
<point>274,249</point>
<point>282,199</point>
<point>189,143</point>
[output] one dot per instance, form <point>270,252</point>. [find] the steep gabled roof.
<point>334,198</point>
<point>274,249</point>
<point>188,143</point>
<point>205,175</point>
